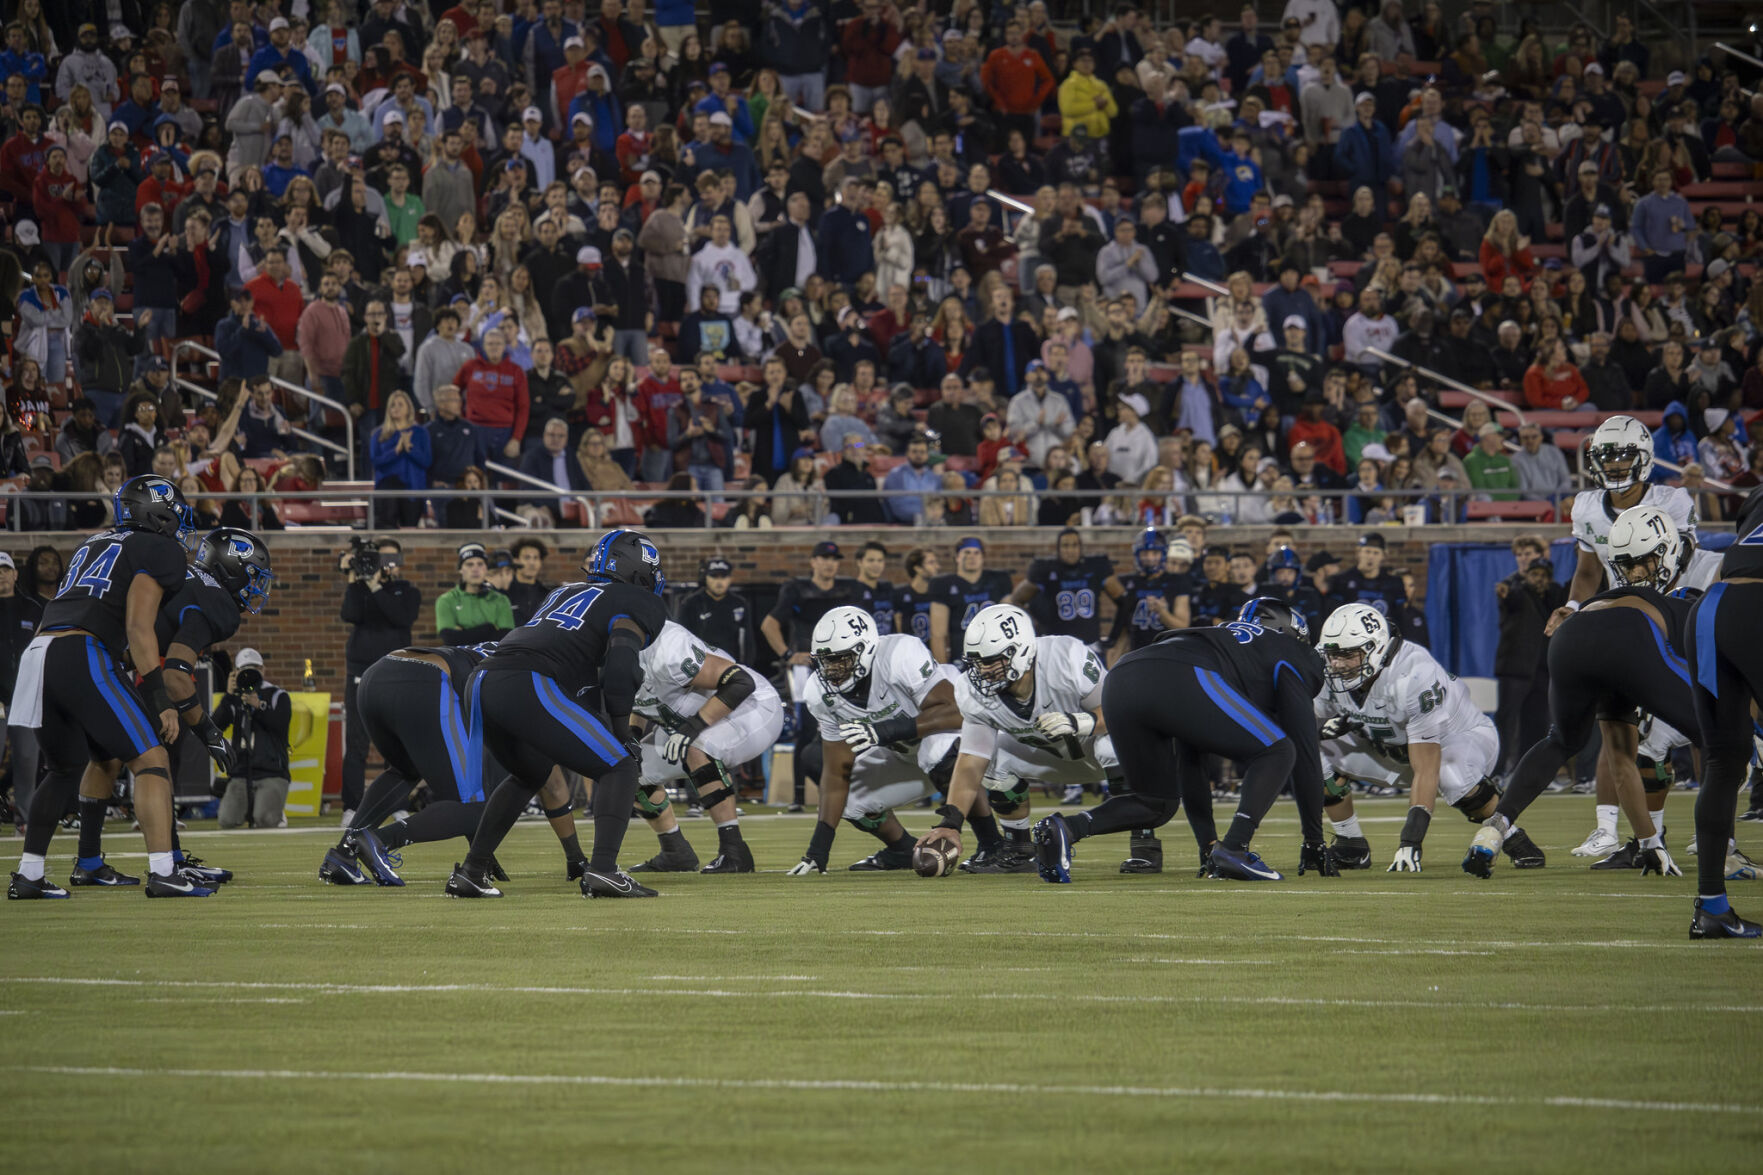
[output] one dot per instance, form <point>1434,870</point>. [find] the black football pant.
<point>1725,639</point>
<point>412,713</point>
<point>1522,714</point>
<point>355,738</point>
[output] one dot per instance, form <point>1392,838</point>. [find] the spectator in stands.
<point>245,341</point>
<point>496,400</point>
<point>954,419</point>
<point>1599,250</point>
<point>105,351</point>
<point>263,428</point>
<point>1489,468</point>
<point>676,513</point>
<point>1314,430</point>
<point>1511,362</point>
<point>278,299</point>
<point>1369,327</point>
<point>699,433</point>
<point>1607,386</point>
<point>1669,382</point>
<point>1554,383</point>
<point>911,480</point>
<point>1542,470</point>
<point>1661,225</point>
<point>1365,155</point>
<point>45,314</point>
<point>369,364</point>
<point>140,435</point>
<point>401,457</point>
<point>1436,458</point>
<point>440,358</point>
<point>116,175</point>
<point>81,433</point>
<point>851,475</point>
<point>1504,251</point>
<point>552,463</point>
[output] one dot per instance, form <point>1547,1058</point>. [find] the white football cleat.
<point>1598,844</point>
<point>1740,867</point>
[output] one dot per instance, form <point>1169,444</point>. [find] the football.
<point>935,858</point>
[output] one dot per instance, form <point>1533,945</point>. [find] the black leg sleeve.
<point>385,795</point>
<point>48,805</point>
<point>355,740</point>
<point>441,820</point>
<point>614,793</point>
<point>502,809</point>
<point>1264,777</point>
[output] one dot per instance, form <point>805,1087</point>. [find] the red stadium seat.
<point>1509,512</point>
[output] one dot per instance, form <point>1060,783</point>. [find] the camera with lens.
<point>248,680</point>
<point>364,557</point>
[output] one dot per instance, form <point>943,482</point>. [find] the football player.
<point>912,599</point>
<point>709,715</point>
<point>876,595</point>
<point>524,710</point>
<point>1368,582</point>
<point>1213,599</point>
<point>1245,690</point>
<point>1066,591</point>
<point>413,704</point>
<point>1153,599</point>
<point>1031,710</point>
<point>888,724</point>
<point>1619,460</point>
<point>957,598</point>
<point>73,690</point>
<point>1284,581</point>
<point>1392,713</point>
<point>1616,652</point>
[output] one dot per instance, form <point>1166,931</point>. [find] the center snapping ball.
<point>935,858</point>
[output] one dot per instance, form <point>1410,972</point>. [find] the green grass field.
<point>1558,1020</point>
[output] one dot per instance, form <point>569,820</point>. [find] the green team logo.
<point>928,668</point>
<point>1092,670</point>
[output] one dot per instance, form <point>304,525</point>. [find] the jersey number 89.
<point>1075,605</point>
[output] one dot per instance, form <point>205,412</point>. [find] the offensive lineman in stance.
<point>1031,713</point>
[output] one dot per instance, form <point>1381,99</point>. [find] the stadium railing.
<point>347,449</point>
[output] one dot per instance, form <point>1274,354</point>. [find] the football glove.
<point>859,736</point>
<point>677,744</point>
<point>1658,860</point>
<point>806,866</point>
<point>218,748</point>
<point>1407,860</point>
<point>1338,727</point>
<point>1062,725</point>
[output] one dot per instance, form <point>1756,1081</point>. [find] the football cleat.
<point>203,875</point>
<point>1740,867</point>
<point>1626,857</point>
<point>1230,864</point>
<point>339,868</point>
<point>467,882</point>
<point>1754,812</point>
<point>371,852</point>
<point>1074,794</point>
<point>735,858</point>
<point>496,870</point>
<point>1479,861</point>
<point>617,884</point>
<point>694,811</point>
<point>1318,858</point>
<point>102,875</point>
<point>574,867</point>
<point>1598,844</point>
<point>1205,869</point>
<point>886,860</point>
<point>1524,852</point>
<point>670,861</point>
<point>25,889</point>
<point>793,808</point>
<point>1006,858</point>
<point>1052,838</point>
<point>1147,854</point>
<point>1727,925</point>
<point>1351,852</point>
<point>177,884</point>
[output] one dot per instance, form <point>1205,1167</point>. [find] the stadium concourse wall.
<point>301,620</point>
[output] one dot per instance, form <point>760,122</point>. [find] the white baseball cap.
<point>1296,320</point>
<point>269,78</point>
<point>393,116</point>
<point>721,118</point>
<point>248,658</point>
<point>280,22</point>
<point>532,114</point>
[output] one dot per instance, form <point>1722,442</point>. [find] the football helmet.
<point>239,562</point>
<point>844,645</point>
<point>1149,551</point>
<point>1645,549</point>
<point>1000,648</point>
<point>1275,615</point>
<point>1284,559</point>
<point>626,556</point>
<point>153,504</point>
<point>1356,644</point>
<point>1620,453</point>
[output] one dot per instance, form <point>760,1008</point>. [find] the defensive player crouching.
<point>1406,717</point>
<point>888,721</point>
<point>1031,713</point>
<point>709,715</point>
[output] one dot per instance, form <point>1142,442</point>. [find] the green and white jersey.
<point>1412,701</point>
<point>903,675</point>
<point>669,664</point>
<point>1594,514</point>
<point>1068,678</point>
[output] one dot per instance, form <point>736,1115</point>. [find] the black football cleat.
<point>734,858</point>
<point>1230,864</point>
<point>339,868</point>
<point>1626,857</point>
<point>467,882</point>
<point>203,875</point>
<point>1317,857</point>
<point>1006,858</point>
<point>1727,925</point>
<point>496,871</point>
<point>1205,869</point>
<point>380,861</point>
<point>670,861</point>
<point>176,884</point>
<point>25,889</point>
<point>617,884</point>
<point>886,860</point>
<point>1523,851</point>
<point>1147,854</point>
<point>103,875</point>
<point>574,867</point>
<point>1350,852</point>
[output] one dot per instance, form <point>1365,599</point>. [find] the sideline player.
<point>523,707</point>
<point>888,722</point>
<point>912,599</point>
<point>1283,580</point>
<point>231,577</point>
<point>1064,594</point>
<point>413,704</point>
<point>1614,653</point>
<point>1244,689</point>
<point>710,715</point>
<point>71,689</point>
<point>956,598</point>
<point>1152,598</point>
<point>1031,710</point>
<point>1391,713</point>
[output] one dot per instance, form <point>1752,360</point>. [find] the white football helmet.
<point>1620,453</point>
<point>1000,648</point>
<point>1356,644</point>
<point>844,648</point>
<point>1645,549</point>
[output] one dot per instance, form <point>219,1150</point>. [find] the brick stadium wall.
<point>302,621</point>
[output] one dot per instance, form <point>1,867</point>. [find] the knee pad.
<point>1336,789</point>
<point>158,772</point>
<point>945,769</point>
<point>712,783</point>
<point>1656,774</point>
<point>648,805</point>
<point>868,822</point>
<point>554,813</point>
<point>1006,792</point>
<point>1477,798</point>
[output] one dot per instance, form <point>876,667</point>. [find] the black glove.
<point>621,730</point>
<point>218,748</point>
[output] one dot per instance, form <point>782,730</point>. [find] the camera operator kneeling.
<point>258,715</point>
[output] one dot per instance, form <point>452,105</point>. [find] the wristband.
<point>820,845</point>
<point>190,703</point>
<point>951,817</point>
<point>895,730</point>
<point>691,726</point>
<point>1572,605</point>
<point>1414,828</point>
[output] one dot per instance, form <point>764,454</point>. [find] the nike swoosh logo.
<point>620,884</point>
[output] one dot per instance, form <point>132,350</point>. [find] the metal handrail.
<point>1494,403</point>
<point>294,429</point>
<point>505,471</point>
<point>348,449</point>
<point>1196,280</point>
<point>1738,53</point>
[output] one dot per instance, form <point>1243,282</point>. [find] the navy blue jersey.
<point>1383,592</point>
<point>800,605</point>
<point>1675,608</point>
<point>1745,557</point>
<point>200,614</point>
<point>566,638</point>
<point>911,612</point>
<point>1070,599</point>
<point>94,592</point>
<point>460,659</point>
<point>1246,655</point>
<point>878,601</point>
<point>964,600</point>
<point>1133,613</point>
<point>1214,603</point>
<point>1307,601</point>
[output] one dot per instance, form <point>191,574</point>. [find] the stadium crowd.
<point>1103,270</point>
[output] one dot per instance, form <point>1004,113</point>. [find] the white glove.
<point>674,749</point>
<point>1407,860</point>
<point>1061,725</point>
<point>1658,860</point>
<point>804,867</point>
<point>1337,726</point>
<point>859,736</point>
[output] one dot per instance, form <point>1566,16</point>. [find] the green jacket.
<point>464,618</point>
<point>1492,473</point>
<point>1353,442</point>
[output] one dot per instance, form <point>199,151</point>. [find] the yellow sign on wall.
<point>308,738</point>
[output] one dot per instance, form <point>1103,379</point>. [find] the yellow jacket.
<point>1077,103</point>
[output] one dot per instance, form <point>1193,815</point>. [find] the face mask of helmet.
<point>1347,668</point>
<point>990,675</point>
<point>838,670</point>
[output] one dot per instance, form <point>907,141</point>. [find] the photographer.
<point>259,715</point>
<point>380,606</point>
